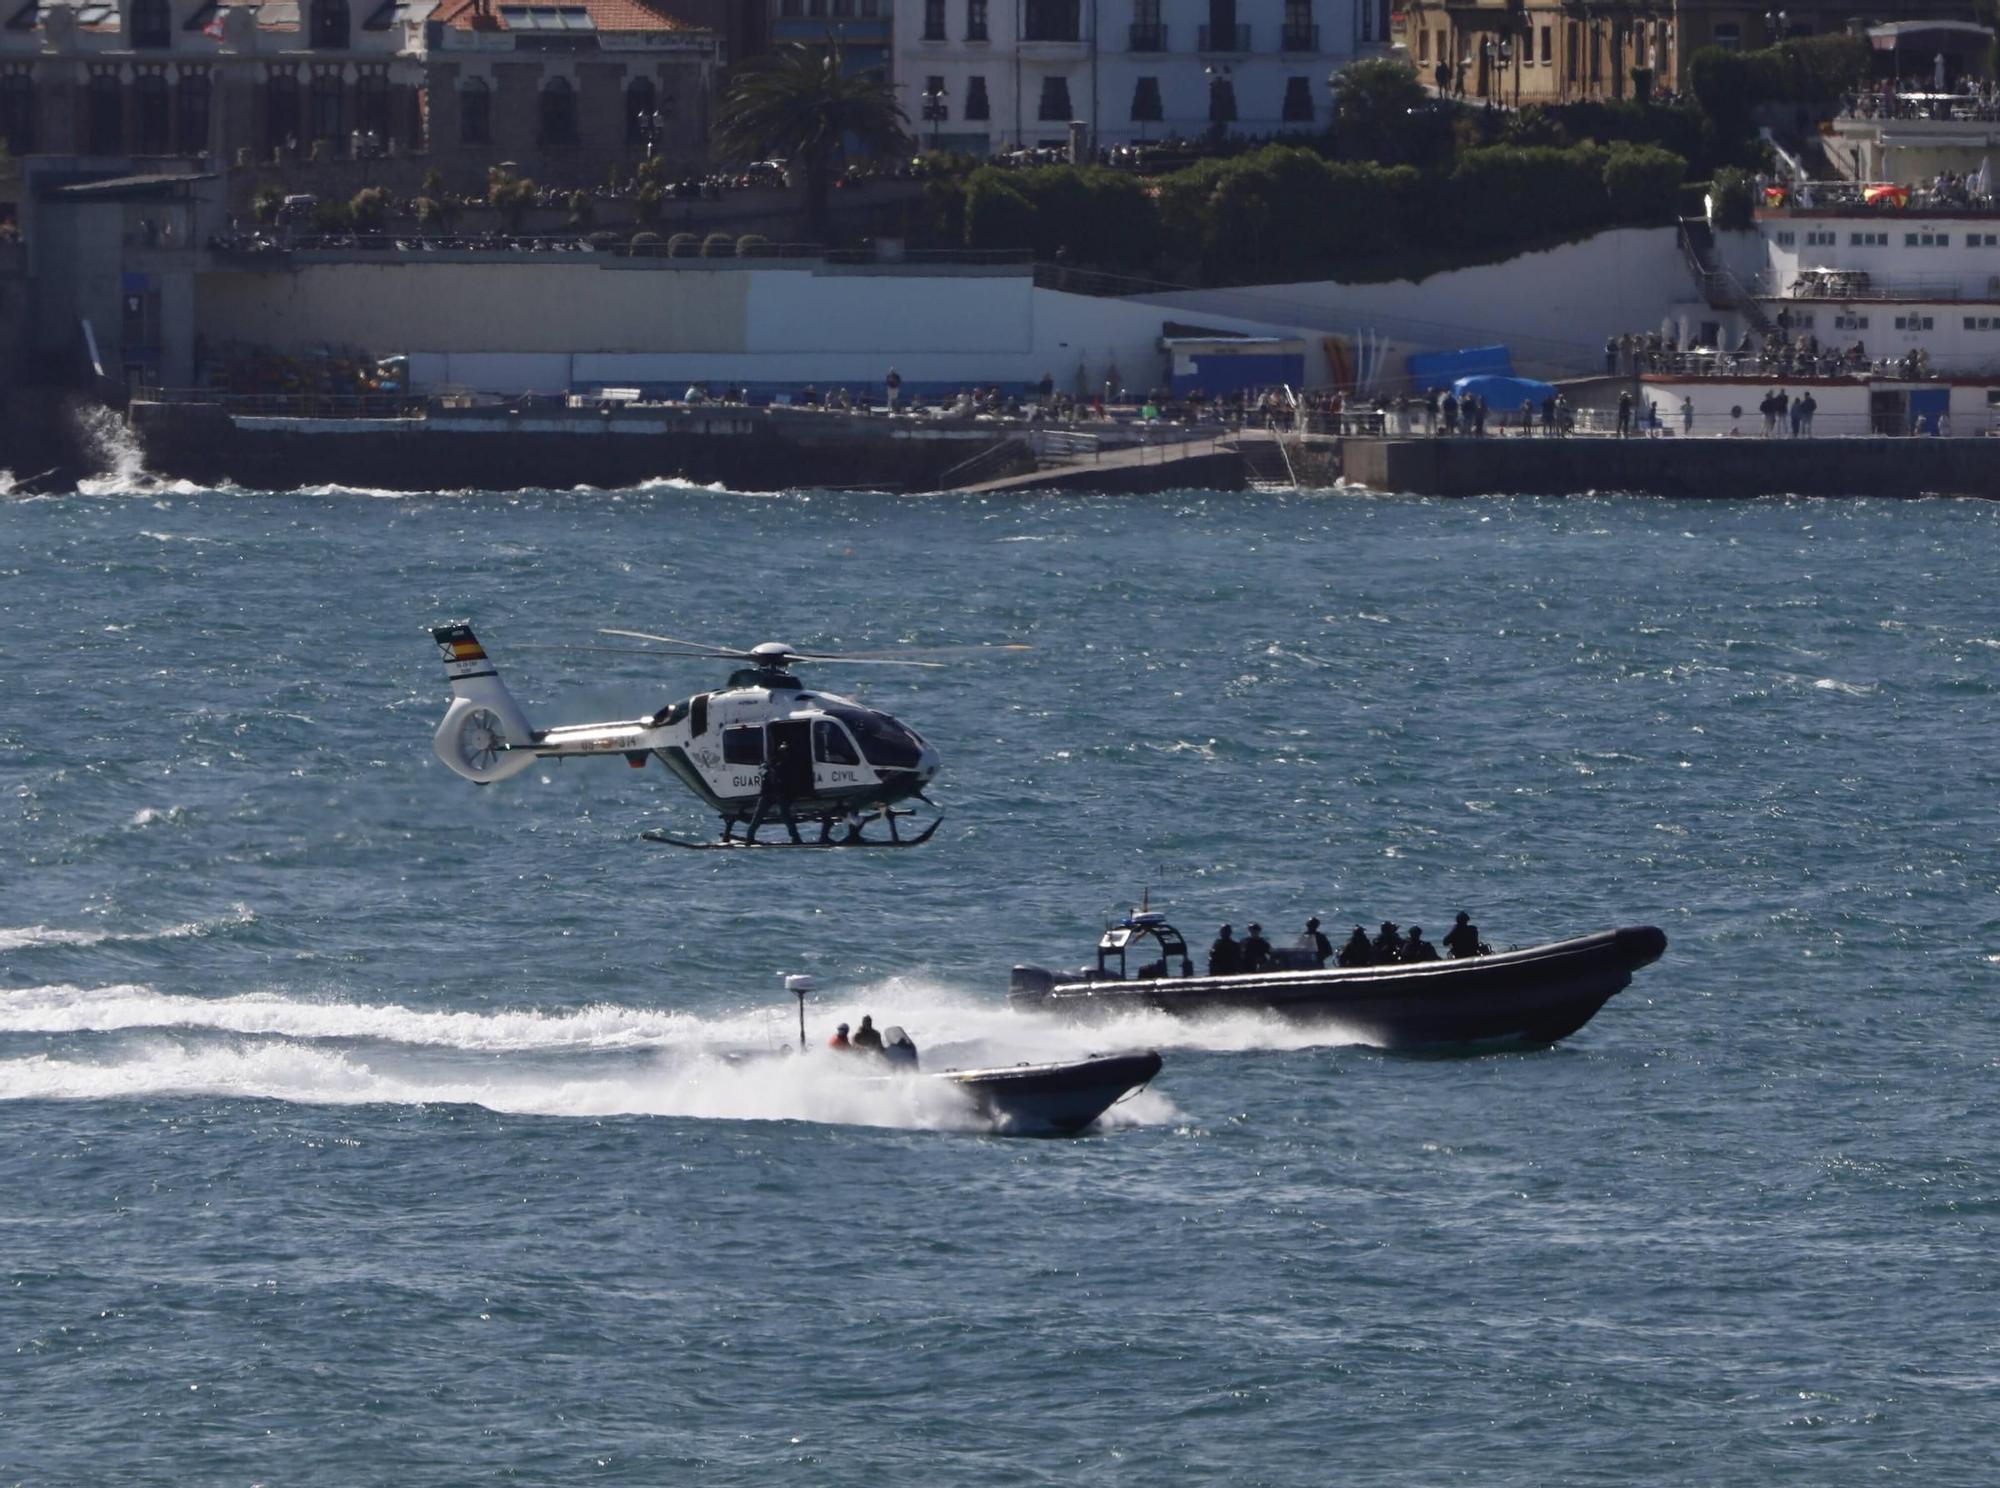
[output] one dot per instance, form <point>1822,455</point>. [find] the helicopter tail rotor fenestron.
<point>484,723</point>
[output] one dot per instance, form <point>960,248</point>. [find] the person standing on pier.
<point>1687,417</point>
<point>894,383</point>
<point>1808,405</point>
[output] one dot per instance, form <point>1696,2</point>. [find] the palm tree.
<point>799,103</point>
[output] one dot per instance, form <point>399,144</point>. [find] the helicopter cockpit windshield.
<point>884,741</point>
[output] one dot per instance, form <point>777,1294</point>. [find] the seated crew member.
<point>1357,951</point>
<point>1463,937</point>
<point>1225,957</point>
<point>1416,948</point>
<point>839,1039</point>
<point>1315,941</point>
<point>865,1037</point>
<point>1387,946</point>
<point>1256,949</point>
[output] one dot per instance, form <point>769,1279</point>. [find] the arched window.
<point>107,114</point>
<point>475,112</point>
<point>149,100</point>
<point>371,107</point>
<point>641,113</point>
<point>281,112</point>
<point>152,23</point>
<point>329,110</point>
<point>329,23</point>
<point>17,112</point>
<point>558,112</point>
<point>193,98</point>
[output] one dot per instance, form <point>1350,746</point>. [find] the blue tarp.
<point>1439,369</point>
<point>1506,394</point>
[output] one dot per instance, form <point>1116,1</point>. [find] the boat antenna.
<point>800,987</point>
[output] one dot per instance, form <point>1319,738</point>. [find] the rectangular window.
<point>1298,108</point>
<point>1909,240</point>
<point>1729,37</point>
<point>1944,240</point>
<point>1548,46</point>
<point>975,20</point>
<point>976,106</point>
<point>933,20</point>
<point>1424,45</point>
<point>743,745</point>
<point>1055,100</point>
<point>1052,20</point>
<point>1146,101</point>
<point>1784,239</point>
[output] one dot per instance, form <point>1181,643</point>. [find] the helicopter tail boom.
<point>484,723</point>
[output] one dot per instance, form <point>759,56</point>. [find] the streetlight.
<point>935,111</point>
<point>1776,25</point>
<point>650,127</point>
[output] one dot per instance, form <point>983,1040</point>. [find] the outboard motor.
<point>1030,983</point>
<point>899,1048</point>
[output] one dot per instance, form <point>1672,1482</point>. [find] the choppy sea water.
<point>363,1126</point>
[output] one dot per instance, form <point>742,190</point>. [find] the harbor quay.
<point>1857,465</point>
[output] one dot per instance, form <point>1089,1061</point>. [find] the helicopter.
<point>764,750</point>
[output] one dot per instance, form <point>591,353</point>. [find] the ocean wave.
<point>950,1027</point>
<point>29,937</point>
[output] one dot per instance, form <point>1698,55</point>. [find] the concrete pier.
<point>1676,467</point>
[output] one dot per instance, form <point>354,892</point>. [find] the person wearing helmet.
<point>1315,941</point>
<point>1256,949</point>
<point>865,1037</point>
<point>839,1039</point>
<point>1357,951</point>
<point>1388,945</point>
<point>1416,948</point>
<point>1463,937</point>
<point>1225,956</point>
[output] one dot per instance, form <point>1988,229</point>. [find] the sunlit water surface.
<point>364,1126</point>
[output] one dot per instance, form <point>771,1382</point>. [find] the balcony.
<point>1151,38</point>
<point>1299,39</point>
<point>1224,39</point>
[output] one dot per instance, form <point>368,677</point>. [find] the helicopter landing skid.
<point>841,836</point>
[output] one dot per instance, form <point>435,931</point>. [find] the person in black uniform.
<point>1388,946</point>
<point>1416,948</point>
<point>1256,949</point>
<point>1315,940</point>
<point>866,1037</point>
<point>1463,938</point>
<point>1357,951</point>
<point>1225,956</point>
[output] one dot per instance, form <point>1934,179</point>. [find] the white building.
<point>995,75</point>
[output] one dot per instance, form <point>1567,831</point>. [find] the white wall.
<point>1554,308</point>
<point>547,325</point>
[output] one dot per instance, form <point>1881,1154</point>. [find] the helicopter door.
<point>788,750</point>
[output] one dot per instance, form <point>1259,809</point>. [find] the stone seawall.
<point>554,448</point>
<point>1677,467</point>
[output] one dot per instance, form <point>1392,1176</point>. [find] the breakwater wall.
<point>1677,467</point>
<point>511,448</point>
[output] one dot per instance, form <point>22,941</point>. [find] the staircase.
<point>1265,464</point>
<point>1719,287</point>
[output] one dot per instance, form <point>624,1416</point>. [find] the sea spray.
<point>111,447</point>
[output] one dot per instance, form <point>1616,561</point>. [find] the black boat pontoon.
<point>1517,998</point>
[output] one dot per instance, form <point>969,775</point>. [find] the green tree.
<point>582,210</point>
<point>1381,112</point>
<point>264,205</point>
<point>647,204</point>
<point>997,215</point>
<point>1643,183</point>
<point>799,103</point>
<point>1733,193</point>
<point>369,209</point>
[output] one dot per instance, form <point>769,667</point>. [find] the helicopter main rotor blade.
<point>909,654</point>
<point>691,648</point>
<point>610,650</point>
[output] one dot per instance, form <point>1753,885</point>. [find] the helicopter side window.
<point>883,740</point>
<point>698,709</point>
<point>743,745</point>
<point>831,745</point>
